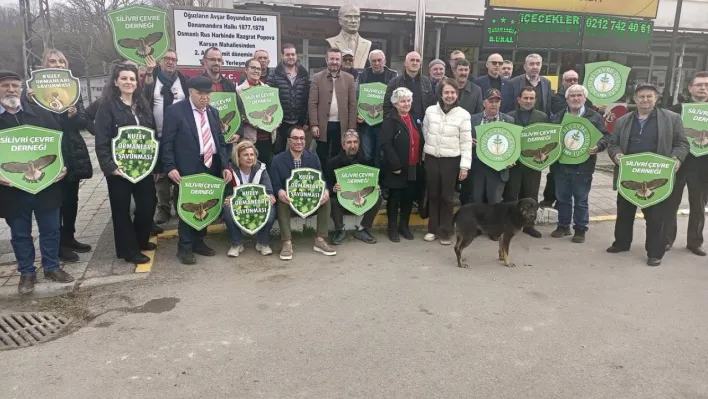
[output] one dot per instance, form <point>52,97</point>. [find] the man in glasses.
<point>694,174</point>
<point>212,63</point>
<point>295,157</point>
<point>494,80</point>
<point>169,86</point>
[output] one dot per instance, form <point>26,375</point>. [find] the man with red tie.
<point>192,143</point>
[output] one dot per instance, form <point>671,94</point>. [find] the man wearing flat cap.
<point>17,206</point>
<point>192,143</point>
<point>647,129</point>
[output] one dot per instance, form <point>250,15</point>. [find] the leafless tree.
<point>11,49</point>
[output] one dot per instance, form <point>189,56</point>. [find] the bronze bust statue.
<point>348,37</point>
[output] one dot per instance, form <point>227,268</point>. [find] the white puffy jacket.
<point>448,135</point>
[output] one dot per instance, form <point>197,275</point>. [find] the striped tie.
<point>206,139</point>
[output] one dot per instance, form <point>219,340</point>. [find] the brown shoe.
<point>322,247</point>
<point>26,285</point>
<point>58,275</point>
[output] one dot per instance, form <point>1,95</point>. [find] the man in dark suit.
<point>192,143</point>
<point>470,97</point>
<point>494,80</point>
<point>532,78</point>
<point>648,129</point>
<point>524,181</point>
<point>486,182</point>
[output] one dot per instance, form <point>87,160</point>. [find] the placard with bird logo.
<point>262,107</point>
<point>30,157</point>
<point>250,207</point>
<point>305,188</point>
<point>229,116</point>
<point>646,179</point>
<point>201,198</point>
<point>578,135</point>
<point>140,31</point>
<point>606,81</point>
<point>370,102</point>
<point>695,126</point>
<point>498,144</point>
<point>358,188</point>
<point>135,151</point>
<point>54,89</point>
<point>540,145</point>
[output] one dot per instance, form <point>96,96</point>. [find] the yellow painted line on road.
<point>147,267</point>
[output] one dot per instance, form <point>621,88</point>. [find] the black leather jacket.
<point>293,97</point>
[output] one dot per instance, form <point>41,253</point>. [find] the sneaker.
<point>697,250</point>
<point>26,285</point>
<point>653,261</point>
<point>445,241</point>
<point>579,237</point>
<point>338,237</point>
<point>264,249</point>
<point>286,253</point>
<point>561,231</point>
<point>59,276</point>
<point>67,255</point>
<point>235,251</point>
<point>429,237</point>
<point>322,247</point>
<point>186,257</point>
<point>530,230</point>
<point>364,235</point>
<point>76,246</point>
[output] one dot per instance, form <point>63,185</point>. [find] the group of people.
<point>425,149</point>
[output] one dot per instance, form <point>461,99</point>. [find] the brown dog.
<point>504,219</point>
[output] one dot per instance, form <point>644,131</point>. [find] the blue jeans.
<point>262,236</point>
<point>372,144</point>
<point>572,190</point>
<point>21,236</point>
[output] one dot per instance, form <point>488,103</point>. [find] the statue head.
<point>349,18</point>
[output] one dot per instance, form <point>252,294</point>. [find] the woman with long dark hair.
<point>123,105</point>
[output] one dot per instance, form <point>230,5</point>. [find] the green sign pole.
<point>54,89</point>
<point>305,188</point>
<point>358,188</point>
<point>140,31</point>
<point>262,107</point>
<point>498,144</point>
<point>250,207</point>
<point>370,102</point>
<point>606,81</point>
<point>229,115</point>
<point>695,124</point>
<point>646,179</point>
<point>540,145</point>
<point>578,135</point>
<point>30,157</point>
<point>135,151</point>
<point>200,199</point>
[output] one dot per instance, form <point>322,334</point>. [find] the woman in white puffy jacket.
<point>447,129</point>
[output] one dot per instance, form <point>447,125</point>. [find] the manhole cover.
<point>19,330</point>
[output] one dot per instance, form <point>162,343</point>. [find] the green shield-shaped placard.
<point>30,157</point>
<point>498,144</point>
<point>135,151</point>
<point>370,103</point>
<point>695,125</point>
<point>358,188</point>
<point>578,135</point>
<point>305,189</point>
<point>250,207</point>
<point>606,81</point>
<point>262,107</point>
<point>645,179</point>
<point>230,118</point>
<point>200,199</point>
<point>54,89</point>
<point>140,31</point>
<point>540,145</point>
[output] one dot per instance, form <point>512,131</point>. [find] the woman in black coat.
<point>402,165</point>
<point>123,105</point>
<point>76,160</point>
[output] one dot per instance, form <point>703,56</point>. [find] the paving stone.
<point>77,269</point>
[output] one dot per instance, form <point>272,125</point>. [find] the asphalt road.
<point>387,321</point>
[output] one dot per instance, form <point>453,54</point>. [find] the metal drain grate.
<point>19,330</point>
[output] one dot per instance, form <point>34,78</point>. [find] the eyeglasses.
<point>170,59</point>
<point>497,63</point>
<point>297,138</point>
<point>254,68</point>
<point>572,80</point>
<point>212,59</point>
<point>702,84</point>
